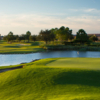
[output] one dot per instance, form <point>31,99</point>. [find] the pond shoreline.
<point>14,59</point>
<point>58,48</point>
<point>51,50</point>
<point>23,52</point>
<point>18,67</point>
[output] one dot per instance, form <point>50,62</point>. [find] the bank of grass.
<point>15,48</point>
<point>11,66</point>
<point>40,46</point>
<point>53,79</point>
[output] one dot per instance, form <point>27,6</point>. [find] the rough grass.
<point>53,79</point>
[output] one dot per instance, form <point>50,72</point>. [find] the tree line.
<point>61,34</point>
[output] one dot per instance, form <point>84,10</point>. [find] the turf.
<point>53,79</point>
<point>18,47</point>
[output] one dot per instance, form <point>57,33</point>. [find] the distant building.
<point>1,37</point>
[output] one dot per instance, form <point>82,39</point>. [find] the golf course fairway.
<point>53,79</point>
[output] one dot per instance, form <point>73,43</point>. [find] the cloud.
<point>89,10</point>
<point>92,10</point>
<point>34,22</point>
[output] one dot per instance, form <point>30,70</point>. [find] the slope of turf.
<point>53,79</point>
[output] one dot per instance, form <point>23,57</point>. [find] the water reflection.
<point>12,59</point>
<point>82,54</point>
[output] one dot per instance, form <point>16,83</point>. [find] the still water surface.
<point>13,59</point>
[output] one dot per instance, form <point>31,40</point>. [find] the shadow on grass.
<point>38,49</point>
<point>34,43</point>
<point>12,46</point>
<point>89,78</point>
<point>7,69</point>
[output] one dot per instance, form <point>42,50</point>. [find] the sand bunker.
<point>23,44</point>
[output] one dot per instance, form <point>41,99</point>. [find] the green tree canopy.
<point>93,38</point>
<point>10,37</point>
<point>64,34</point>
<point>33,38</point>
<point>28,33</point>
<point>82,36</point>
<point>45,35</point>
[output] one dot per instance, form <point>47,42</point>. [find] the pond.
<point>13,59</point>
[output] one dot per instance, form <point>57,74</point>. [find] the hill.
<point>53,79</point>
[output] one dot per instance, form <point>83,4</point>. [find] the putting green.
<point>81,63</point>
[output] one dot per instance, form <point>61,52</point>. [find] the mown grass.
<point>53,79</point>
<point>39,46</point>
<point>10,48</point>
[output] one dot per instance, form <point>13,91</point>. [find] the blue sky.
<point>20,16</point>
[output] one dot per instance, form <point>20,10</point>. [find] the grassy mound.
<point>53,79</point>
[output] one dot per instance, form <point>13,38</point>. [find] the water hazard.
<point>13,59</point>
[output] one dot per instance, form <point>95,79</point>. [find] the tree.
<point>0,37</point>
<point>93,38</point>
<point>28,33</point>
<point>33,38</point>
<point>19,38</point>
<point>82,36</point>
<point>16,37</point>
<point>45,35</point>
<point>5,38</point>
<point>53,33</point>
<point>10,37</point>
<point>23,36</point>
<point>64,34</point>
<point>52,36</point>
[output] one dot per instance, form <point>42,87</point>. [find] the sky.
<point>20,16</point>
